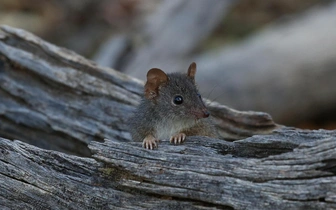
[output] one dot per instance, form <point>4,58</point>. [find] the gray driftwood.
<point>58,100</point>
<point>289,169</point>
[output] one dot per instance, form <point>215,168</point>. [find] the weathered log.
<point>55,99</point>
<point>290,169</point>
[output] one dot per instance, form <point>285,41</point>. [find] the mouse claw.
<point>178,138</point>
<point>150,142</point>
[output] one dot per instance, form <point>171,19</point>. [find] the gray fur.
<point>161,118</point>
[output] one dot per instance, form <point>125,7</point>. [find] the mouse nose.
<point>206,113</point>
<point>200,113</point>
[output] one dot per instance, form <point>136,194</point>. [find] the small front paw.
<point>150,142</point>
<point>178,138</point>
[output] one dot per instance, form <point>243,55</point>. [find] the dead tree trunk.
<point>289,169</point>
<point>55,99</point>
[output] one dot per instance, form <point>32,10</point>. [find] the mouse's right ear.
<point>192,71</point>
<point>155,78</point>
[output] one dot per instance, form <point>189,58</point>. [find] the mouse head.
<point>175,94</point>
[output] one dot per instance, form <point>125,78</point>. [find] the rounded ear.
<point>155,78</point>
<point>192,71</point>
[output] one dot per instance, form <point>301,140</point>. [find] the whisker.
<point>216,85</point>
<point>209,94</point>
<point>214,100</point>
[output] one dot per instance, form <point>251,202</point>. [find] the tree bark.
<point>58,100</point>
<point>289,169</point>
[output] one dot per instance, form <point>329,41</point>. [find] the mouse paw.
<point>150,142</point>
<point>178,138</point>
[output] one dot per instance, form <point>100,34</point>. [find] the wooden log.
<point>55,99</point>
<point>289,169</point>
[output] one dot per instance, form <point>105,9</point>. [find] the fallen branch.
<point>290,169</point>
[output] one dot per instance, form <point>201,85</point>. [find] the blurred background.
<point>276,56</point>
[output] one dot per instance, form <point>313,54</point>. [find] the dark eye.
<point>178,100</point>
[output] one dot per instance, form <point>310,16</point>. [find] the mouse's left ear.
<point>155,78</point>
<point>192,71</point>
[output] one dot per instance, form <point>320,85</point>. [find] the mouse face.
<point>180,98</point>
<point>175,95</point>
